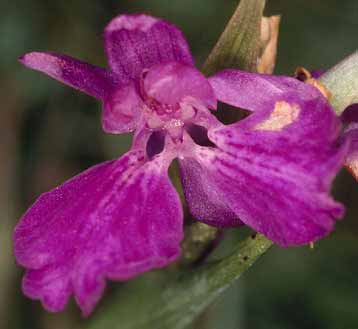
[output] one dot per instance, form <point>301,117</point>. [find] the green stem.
<point>227,270</point>
<point>342,81</point>
<point>174,302</point>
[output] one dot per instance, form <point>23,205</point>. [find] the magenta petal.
<point>254,92</point>
<point>90,79</point>
<point>278,180</point>
<point>50,284</point>
<point>115,220</point>
<point>205,201</point>
<point>274,197</point>
<point>136,42</point>
<point>121,110</point>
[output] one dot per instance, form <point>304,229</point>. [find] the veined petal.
<point>273,195</point>
<point>90,79</point>
<point>115,220</point>
<point>277,178</point>
<point>137,42</point>
<point>255,92</point>
<point>205,201</point>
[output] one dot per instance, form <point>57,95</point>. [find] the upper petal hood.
<point>173,82</point>
<point>137,42</point>
<point>115,220</point>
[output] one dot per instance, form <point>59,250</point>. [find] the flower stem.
<point>342,81</point>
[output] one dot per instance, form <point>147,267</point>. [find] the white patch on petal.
<point>282,116</point>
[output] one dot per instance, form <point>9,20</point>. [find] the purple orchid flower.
<point>271,171</point>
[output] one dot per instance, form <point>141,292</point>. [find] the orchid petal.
<point>122,110</point>
<point>137,42</point>
<point>277,180</point>
<point>254,92</point>
<point>115,220</point>
<point>90,79</point>
<point>205,201</point>
<point>307,120</point>
<point>273,199</point>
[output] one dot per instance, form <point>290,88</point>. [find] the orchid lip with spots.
<point>271,171</point>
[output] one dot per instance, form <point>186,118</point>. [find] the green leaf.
<point>342,82</point>
<point>172,301</point>
<point>239,44</point>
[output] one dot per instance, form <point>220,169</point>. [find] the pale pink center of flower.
<point>170,117</point>
<point>167,97</point>
<point>170,94</point>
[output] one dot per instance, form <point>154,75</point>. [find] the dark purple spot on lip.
<point>155,144</point>
<point>199,134</point>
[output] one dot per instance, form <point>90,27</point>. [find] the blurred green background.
<point>50,132</point>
